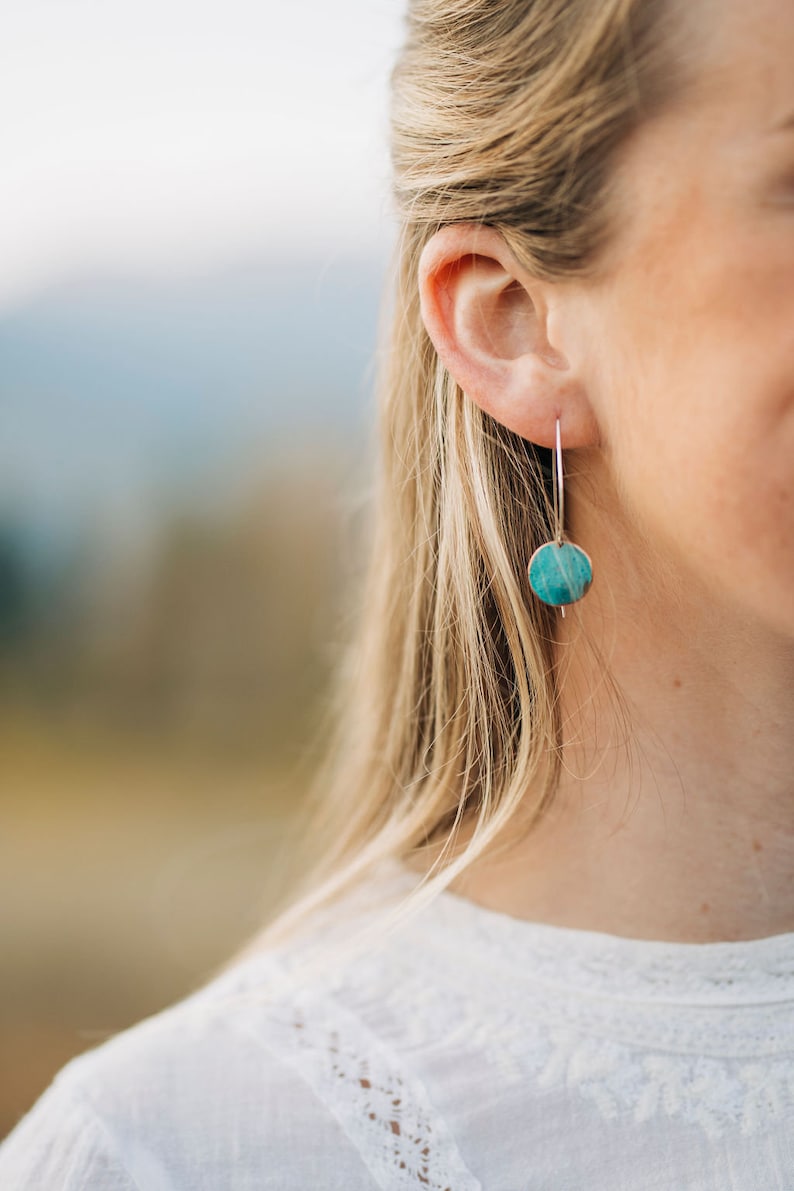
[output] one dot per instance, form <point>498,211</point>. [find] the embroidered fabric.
<point>462,1051</point>
<point>623,1066</point>
<point>703,1033</point>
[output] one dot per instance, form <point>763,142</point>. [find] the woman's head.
<point>667,350</point>
<point>567,250</point>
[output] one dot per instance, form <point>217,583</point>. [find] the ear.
<point>507,338</point>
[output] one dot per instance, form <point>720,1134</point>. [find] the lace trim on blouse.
<point>385,1112</point>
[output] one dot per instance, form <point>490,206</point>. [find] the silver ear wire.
<point>559,490</point>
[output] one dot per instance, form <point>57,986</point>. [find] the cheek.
<point>749,501</point>
<point>715,507</point>
<point>699,422</point>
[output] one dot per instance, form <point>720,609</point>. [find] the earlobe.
<point>488,320</point>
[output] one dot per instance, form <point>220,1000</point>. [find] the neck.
<point>674,817</point>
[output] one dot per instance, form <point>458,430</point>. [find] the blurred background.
<point>194,235</point>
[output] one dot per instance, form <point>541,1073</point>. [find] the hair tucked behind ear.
<point>511,113</point>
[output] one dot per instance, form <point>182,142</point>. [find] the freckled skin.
<point>674,812</point>
<point>693,326</point>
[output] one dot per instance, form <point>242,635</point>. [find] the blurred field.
<point>126,875</point>
<point>185,381</point>
<point>158,727</point>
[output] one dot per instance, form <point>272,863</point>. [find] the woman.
<point>553,945</point>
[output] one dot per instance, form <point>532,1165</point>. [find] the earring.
<point>560,573</point>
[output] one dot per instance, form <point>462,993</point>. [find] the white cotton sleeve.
<point>191,1100</point>
<point>62,1145</point>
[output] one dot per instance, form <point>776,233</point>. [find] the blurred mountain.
<point>119,397</point>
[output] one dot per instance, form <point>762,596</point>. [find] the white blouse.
<point>465,1050</point>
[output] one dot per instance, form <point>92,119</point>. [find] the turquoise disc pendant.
<point>560,573</point>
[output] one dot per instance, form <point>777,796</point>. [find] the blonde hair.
<point>510,113</point>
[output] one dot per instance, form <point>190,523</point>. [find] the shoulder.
<point>62,1144</point>
<point>211,1093</point>
<point>259,1079</point>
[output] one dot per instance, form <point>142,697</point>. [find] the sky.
<point>166,137</point>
